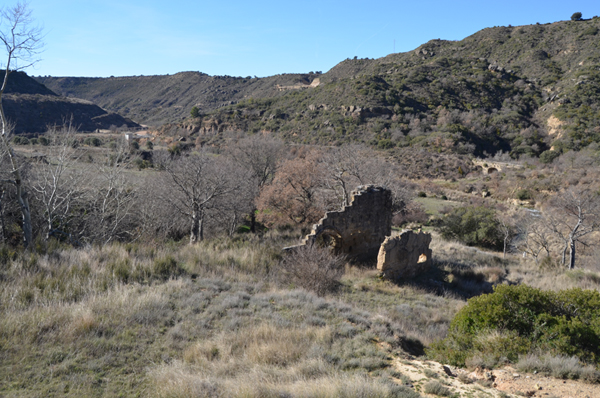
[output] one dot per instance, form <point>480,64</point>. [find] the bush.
<point>515,320</point>
<point>576,16</point>
<point>18,140</point>
<point>92,141</point>
<point>435,388</point>
<point>165,268</point>
<point>412,213</point>
<point>313,268</point>
<point>548,156</point>
<point>523,194</point>
<point>474,226</point>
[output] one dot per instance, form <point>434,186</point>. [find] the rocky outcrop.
<point>405,256</point>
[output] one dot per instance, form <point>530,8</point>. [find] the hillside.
<point>521,89</point>
<point>32,107</point>
<point>156,100</point>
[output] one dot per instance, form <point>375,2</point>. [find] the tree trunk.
<point>253,220</point>
<point>564,255</point>
<point>2,226</point>
<point>26,212</point>
<point>233,225</point>
<point>201,229</point>
<point>195,230</point>
<point>572,255</point>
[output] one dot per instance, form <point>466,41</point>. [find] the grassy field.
<point>218,320</point>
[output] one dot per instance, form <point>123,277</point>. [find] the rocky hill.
<point>32,107</point>
<point>524,89</point>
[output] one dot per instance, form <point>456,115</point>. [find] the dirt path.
<point>501,383</point>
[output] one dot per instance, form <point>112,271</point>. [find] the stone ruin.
<point>404,256</point>
<point>359,229</point>
<point>362,232</point>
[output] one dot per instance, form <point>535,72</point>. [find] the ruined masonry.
<point>362,231</point>
<point>404,256</point>
<point>359,228</point>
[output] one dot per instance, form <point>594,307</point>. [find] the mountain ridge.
<point>492,91</point>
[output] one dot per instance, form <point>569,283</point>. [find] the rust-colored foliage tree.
<point>293,196</point>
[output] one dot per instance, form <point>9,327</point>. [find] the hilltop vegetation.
<point>519,89</point>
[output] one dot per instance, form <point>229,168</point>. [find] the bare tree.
<point>261,155</point>
<point>3,178</point>
<point>22,42</point>
<point>348,166</point>
<point>198,185</point>
<point>506,227</point>
<point>574,215</point>
<point>536,236</point>
<point>112,200</point>
<point>57,183</point>
<point>343,170</point>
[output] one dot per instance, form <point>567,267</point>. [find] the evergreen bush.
<point>516,320</point>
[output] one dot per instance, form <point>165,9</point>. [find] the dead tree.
<point>574,215</point>
<point>261,157</point>
<point>197,185</point>
<point>111,201</point>
<point>22,42</point>
<point>58,182</point>
<point>536,236</point>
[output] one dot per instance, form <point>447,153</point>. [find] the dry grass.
<point>215,318</point>
<point>561,367</point>
<point>484,267</point>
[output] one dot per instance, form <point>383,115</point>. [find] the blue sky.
<point>262,38</point>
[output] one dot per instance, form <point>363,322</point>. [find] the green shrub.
<point>474,226</point>
<point>515,320</point>
<point>385,144</point>
<point>18,140</point>
<point>523,194</point>
<point>548,156</point>
<point>92,141</point>
<point>164,268</point>
<point>576,16</point>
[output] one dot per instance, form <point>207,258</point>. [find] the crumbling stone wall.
<point>359,229</point>
<point>405,256</point>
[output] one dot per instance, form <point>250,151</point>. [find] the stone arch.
<point>330,238</point>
